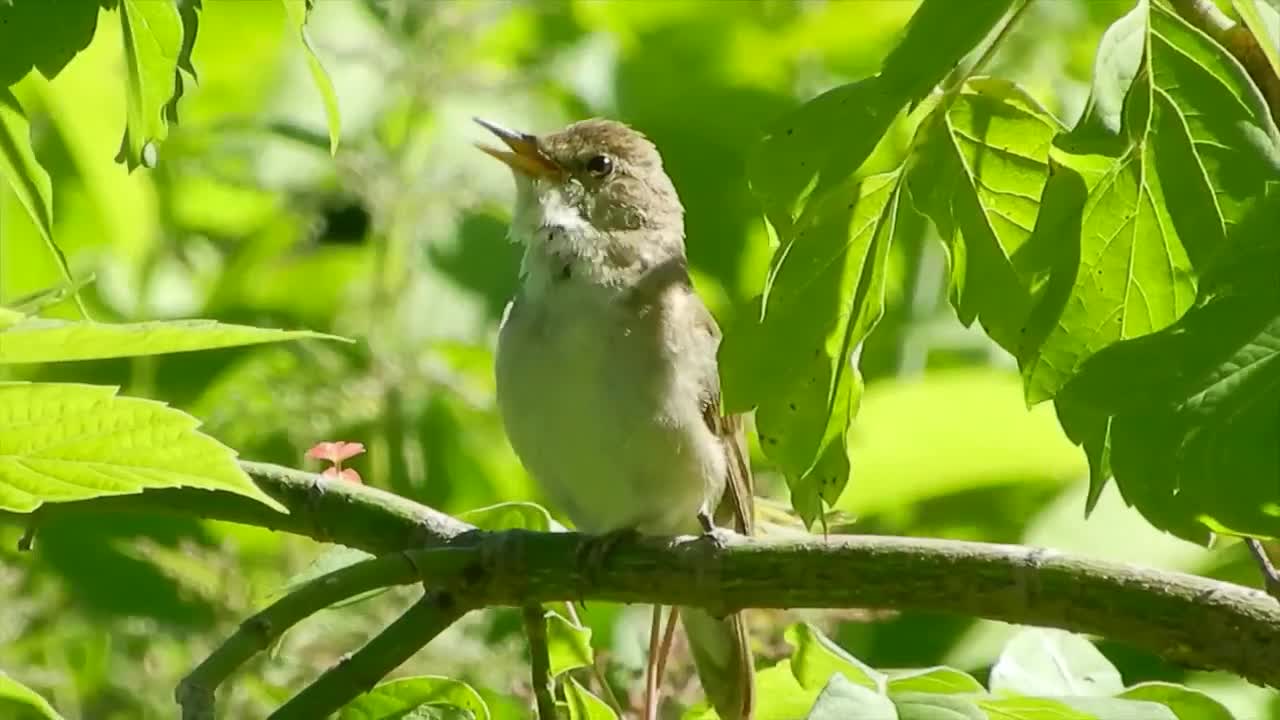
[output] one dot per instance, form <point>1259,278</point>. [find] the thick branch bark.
<point>1196,621</point>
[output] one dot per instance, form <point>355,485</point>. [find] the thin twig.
<point>342,683</point>
<point>1270,575</point>
<point>195,694</point>
<point>535,629</point>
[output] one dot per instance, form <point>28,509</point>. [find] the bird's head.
<point>591,198</point>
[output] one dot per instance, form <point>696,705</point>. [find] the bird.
<point>606,371</point>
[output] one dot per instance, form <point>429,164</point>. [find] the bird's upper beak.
<point>524,156</point>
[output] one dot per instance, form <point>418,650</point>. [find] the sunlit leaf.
<point>1030,708</point>
<point>512,516</point>
<point>63,442</point>
<point>585,706</point>
<point>1109,708</point>
<point>152,44</point>
<point>40,340</point>
<point>1042,662</point>
<point>816,659</point>
<point>19,702</point>
<point>796,364</point>
<point>24,174</point>
<point>938,680</point>
<point>928,706</point>
<point>568,644</point>
<point>1191,155</point>
<point>1186,704</point>
<point>978,174</point>
<point>842,699</point>
<point>297,11</point>
<point>416,697</point>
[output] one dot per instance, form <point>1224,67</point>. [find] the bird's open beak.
<point>524,156</point>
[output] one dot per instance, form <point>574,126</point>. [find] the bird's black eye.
<point>600,165</point>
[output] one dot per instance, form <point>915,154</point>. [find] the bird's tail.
<point>722,653</point>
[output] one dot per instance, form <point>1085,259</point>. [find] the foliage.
<point>1103,178</point>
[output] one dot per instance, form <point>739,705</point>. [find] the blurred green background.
<point>401,242</point>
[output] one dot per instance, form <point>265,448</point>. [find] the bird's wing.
<point>737,505</point>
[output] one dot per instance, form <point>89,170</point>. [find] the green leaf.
<point>842,699</point>
<point>927,706</point>
<point>19,702</point>
<point>512,516</point>
<point>978,175</point>
<point>29,180</point>
<point>1186,704</point>
<point>779,696</point>
<point>1192,156</point>
<point>1106,708</point>
<point>568,644</point>
<point>1187,415</point>
<point>298,10</point>
<point>585,706</point>
<point>43,35</point>
<point>153,39</point>
<point>817,147</point>
<point>1263,20</point>
<point>37,340</point>
<point>411,697</point>
<point>817,659</point>
<point>64,442</point>
<point>1039,661</point>
<point>936,40</point>
<point>824,295</point>
<point>937,680</point>
<point>1030,708</point>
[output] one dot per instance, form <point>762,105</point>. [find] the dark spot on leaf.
<point>771,440</point>
<point>801,163</point>
<point>445,601</point>
<point>790,131</point>
<point>792,406</point>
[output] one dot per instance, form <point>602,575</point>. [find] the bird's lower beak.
<point>524,156</point>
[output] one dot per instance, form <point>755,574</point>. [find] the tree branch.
<point>1240,42</point>
<point>1192,620</point>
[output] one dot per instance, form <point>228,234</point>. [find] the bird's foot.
<point>718,537</point>
<point>594,551</point>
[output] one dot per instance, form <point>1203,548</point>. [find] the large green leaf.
<point>512,516</point>
<point>153,40</point>
<point>36,340</point>
<point>936,40</point>
<point>842,698</point>
<point>298,10</point>
<point>63,442</point>
<point>1191,153</point>
<point>19,702</point>
<point>817,658</point>
<point>1186,704</point>
<point>44,35</point>
<point>981,167</point>
<point>568,644</point>
<point>585,706</point>
<point>824,295</point>
<point>935,680</point>
<point>1053,662</point>
<point>1030,708</point>
<point>23,172</point>
<point>412,697</point>
<point>927,706</point>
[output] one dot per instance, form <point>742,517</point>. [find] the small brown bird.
<point>606,365</point>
